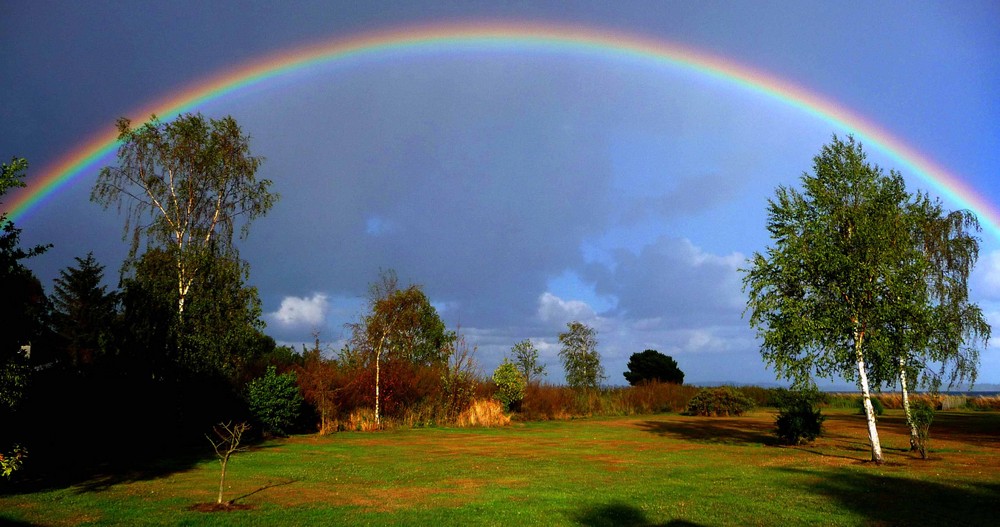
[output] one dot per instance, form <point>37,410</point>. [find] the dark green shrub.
<point>275,400</point>
<point>798,421</point>
<point>922,413</point>
<point>877,405</point>
<point>720,402</point>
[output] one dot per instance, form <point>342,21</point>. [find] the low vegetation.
<point>721,401</point>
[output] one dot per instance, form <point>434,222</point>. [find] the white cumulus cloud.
<point>300,311</point>
<point>552,309</point>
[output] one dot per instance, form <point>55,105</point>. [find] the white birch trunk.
<point>377,422</point>
<point>869,410</point>
<point>914,442</point>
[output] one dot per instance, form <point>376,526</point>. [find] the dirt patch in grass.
<point>611,463</point>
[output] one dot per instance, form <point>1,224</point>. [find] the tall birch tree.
<point>826,297</point>
<point>943,328</point>
<point>400,324</point>
<point>580,357</point>
<point>184,187</point>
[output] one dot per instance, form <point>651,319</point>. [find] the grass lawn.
<point>646,470</point>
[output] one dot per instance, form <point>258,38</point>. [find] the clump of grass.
<point>483,412</point>
<point>362,420</point>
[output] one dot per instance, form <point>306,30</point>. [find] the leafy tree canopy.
<point>852,285</point>
<point>651,365</point>
<point>185,185</point>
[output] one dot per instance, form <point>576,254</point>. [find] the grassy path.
<point>646,470</point>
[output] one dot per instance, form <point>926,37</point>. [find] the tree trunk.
<point>869,411</point>
<point>914,440</point>
<point>377,422</point>
<point>222,480</point>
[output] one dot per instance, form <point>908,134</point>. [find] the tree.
<point>275,400</point>
<point>83,311</point>
<point>845,285</point>
<point>510,384</point>
<point>185,185</point>
<point>943,327</point>
<point>22,309</point>
<point>526,360</point>
<point>226,443</point>
<point>653,366</point>
<point>401,324</point>
<point>317,378</point>
<point>218,337</point>
<point>24,302</point>
<point>579,355</point>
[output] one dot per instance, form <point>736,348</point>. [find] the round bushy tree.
<point>653,366</point>
<point>275,400</point>
<point>510,384</point>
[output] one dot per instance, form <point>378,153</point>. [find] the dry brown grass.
<point>483,412</point>
<point>362,420</point>
<point>984,402</point>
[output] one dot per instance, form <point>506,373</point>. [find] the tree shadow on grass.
<point>111,475</point>
<point>895,500</point>
<point>621,514</point>
<point>725,430</point>
<point>265,487</point>
<point>96,477</point>
<point>975,428</point>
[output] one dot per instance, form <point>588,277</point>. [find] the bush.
<point>510,385</point>
<point>719,402</point>
<point>798,421</point>
<point>275,400</point>
<point>922,413</point>
<point>877,405</point>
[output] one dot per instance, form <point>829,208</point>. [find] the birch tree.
<point>526,360</point>
<point>185,186</point>
<point>944,328</point>
<point>400,324</point>
<point>579,355</point>
<point>824,298</point>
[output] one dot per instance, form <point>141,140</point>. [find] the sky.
<point>523,185</point>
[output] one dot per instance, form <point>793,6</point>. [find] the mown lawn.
<point>647,470</point>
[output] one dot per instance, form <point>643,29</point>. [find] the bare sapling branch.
<point>226,443</point>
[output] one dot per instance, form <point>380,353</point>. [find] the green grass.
<point>646,470</point>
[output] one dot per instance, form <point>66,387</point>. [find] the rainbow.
<point>84,158</point>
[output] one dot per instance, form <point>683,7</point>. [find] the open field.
<point>646,470</point>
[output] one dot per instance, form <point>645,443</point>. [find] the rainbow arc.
<point>84,158</point>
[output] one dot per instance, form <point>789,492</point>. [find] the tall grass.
<point>941,401</point>
<point>544,402</point>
